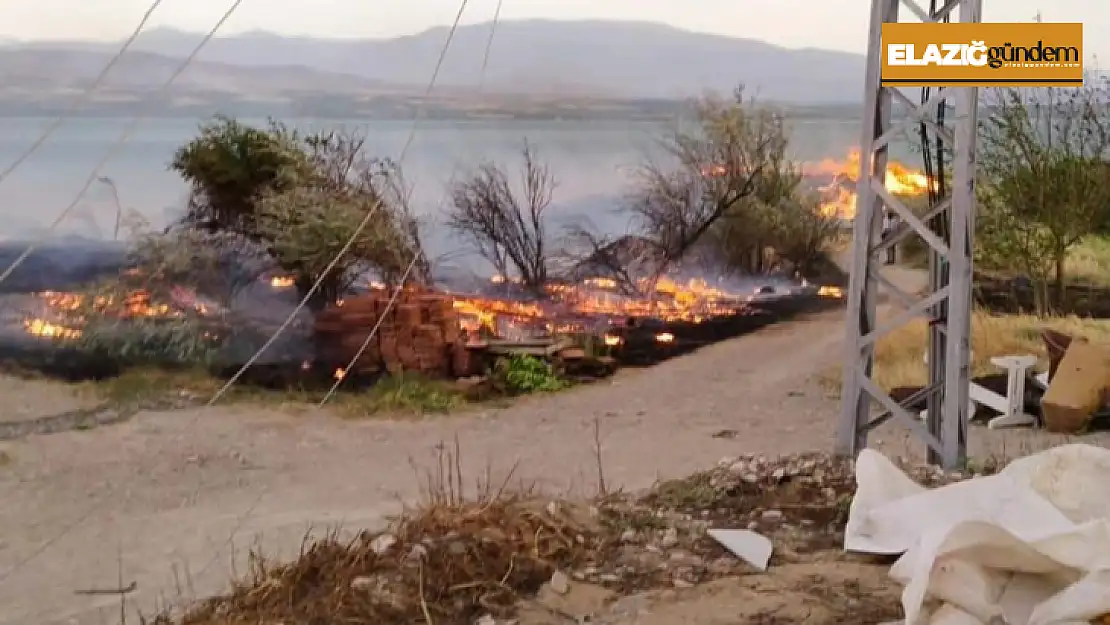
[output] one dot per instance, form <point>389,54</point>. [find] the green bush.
<point>179,342</point>
<point>229,165</point>
<point>522,374</point>
<point>302,198</point>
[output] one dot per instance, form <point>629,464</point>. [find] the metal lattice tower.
<point>947,228</point>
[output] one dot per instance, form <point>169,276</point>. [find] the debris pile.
<point>456,562</point>
<point>1027,545</point>
<point>1078,383</point>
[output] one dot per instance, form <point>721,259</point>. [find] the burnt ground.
<point>173,500</point>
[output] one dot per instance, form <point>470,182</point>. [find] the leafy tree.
<point>1043,183</point>
<point>729,164</point>
<point>799,232</point>
<point>782,216</point>
<point>229,165</point>
<point>308,227</point>
<point>320,215</point>
<point>302,198</point>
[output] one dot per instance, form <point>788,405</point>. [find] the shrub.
<point>523,374</point>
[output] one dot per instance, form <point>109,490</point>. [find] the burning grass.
<point>899,356</point>
<point>456,560</point>
<point>132,334</point>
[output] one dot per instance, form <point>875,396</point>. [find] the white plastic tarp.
<point>1028,546</point>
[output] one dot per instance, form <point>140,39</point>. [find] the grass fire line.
<point>463,323</point>
<point>593,307</point>
<point>137,304</point>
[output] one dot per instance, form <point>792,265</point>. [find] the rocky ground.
<point>173,501</point>
<point>615,559</point>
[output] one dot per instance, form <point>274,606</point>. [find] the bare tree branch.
<point>506,228</point>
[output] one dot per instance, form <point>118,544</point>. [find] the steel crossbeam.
<point>947,228</point>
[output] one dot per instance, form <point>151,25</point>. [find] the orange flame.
<point>694,300</point>
<point>900,180</point>
<point>132,305</point>
<point>45,329</point>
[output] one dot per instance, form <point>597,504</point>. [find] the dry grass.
<point>449,561</point>
<point>899,356</point>
<point>460,556</point>
<point>1089,262</point>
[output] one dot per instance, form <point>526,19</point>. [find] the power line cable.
<point>75,104</point>
<point>416,256</point>
<point>489,45</point>
<point>370,336</point>
<point>361,226</point>
<point>79,520</point>
<point>241,521</point>
<point>119,143</point>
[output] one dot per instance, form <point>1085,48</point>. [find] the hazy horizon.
<point>829,24</point>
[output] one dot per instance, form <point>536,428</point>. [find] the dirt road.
<point>170,500</point>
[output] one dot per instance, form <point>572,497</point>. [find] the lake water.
<point>592,162</point>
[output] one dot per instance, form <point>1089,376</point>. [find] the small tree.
<point>309,226</point>
<point>784,217</point>
<point>799,232</point>
<point>229,165</point>
<point>506,228</point>
<point>734,159</point>
<point>303,197</point>
<point>1043,180</point>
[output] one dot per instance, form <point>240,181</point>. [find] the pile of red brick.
<point>419,333</point>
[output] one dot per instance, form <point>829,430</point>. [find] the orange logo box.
<point>982,55</point>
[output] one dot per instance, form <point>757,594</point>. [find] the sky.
<point>831,24</point>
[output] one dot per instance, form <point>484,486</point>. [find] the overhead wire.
<point>80,519</point>
<point>420,111</point>
<point>120,141</point>
<point>373,330</point>
<point>416,256</point>
<point>80,100</point>
<point>489,45</point>
<point>241,521</point>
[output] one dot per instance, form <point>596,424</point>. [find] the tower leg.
<point>947,305</point>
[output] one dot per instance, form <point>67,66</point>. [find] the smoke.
<point>60,265</point>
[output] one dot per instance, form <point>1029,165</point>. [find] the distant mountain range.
<point>547,59</point>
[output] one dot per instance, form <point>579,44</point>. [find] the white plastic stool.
<point>1012,406</point>
<point>1013,410</point>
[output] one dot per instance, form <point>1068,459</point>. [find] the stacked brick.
<point>419,333</point>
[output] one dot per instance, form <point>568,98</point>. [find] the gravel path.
<point>174,499</point>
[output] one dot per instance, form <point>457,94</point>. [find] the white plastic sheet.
<point>1029,546</point>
